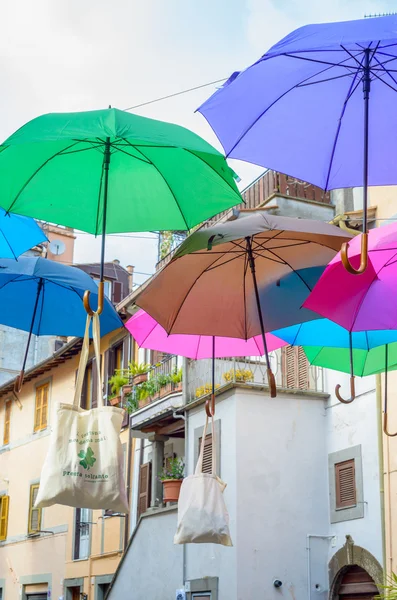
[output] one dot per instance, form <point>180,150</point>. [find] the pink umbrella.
<point>150,334</point>
<point>366,301</point>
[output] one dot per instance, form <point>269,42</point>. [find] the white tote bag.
<point>202,512</point>
<point>84,463</point>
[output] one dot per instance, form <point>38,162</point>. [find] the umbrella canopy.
<point>366,362</point>
<point>337,78</point>
<point>271,113</point>
<point>207,289</point>
<point>44,297</point>
<point>366,302</point>
<point>149,334</point>
<point>18,234</point>
<point>236,279</point>
<point>323,332</point>
<point>59,167</point>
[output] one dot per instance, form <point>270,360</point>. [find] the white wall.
<point>281,491</point>
<point>351,425</point>
<point>211,560</point>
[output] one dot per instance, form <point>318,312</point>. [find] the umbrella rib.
<point>301,85</point>
<point>214,266</point>
<point>385,82</point>
<point>118,148</point>
<point>244,133</point>
<point>42,306</point>
<point>35,173</point>
<point>338,129</point>
<point>245,295</point>
<point>167,184</point>
<point>322,62</point>
<point>296,271</point>
<point>8,244</point>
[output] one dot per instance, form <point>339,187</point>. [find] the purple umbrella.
<point>150,334</point>
<point>320,106</point>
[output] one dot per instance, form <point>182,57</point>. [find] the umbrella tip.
<point>110,106</point>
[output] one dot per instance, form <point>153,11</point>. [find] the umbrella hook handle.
<point>18,382</point>
<point>363,260</point>
<point>210,406</point>
<point>352,392</point>
<point>385,427</point>
<point>101,297</point>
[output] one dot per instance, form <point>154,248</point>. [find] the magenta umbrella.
<point>151,335</point>
<point>364,302</point>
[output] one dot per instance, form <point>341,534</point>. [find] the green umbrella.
<point>356,362</point>
<point>109,171</point>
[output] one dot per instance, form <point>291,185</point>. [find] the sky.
<point>72,55</point>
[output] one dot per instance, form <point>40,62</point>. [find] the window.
<point>81,547</point>
<point>345,484</point>
<point>207,458</point>
<point>295,368</point>
<point>4,503</point>
<point>107,288</point>
<point>7,420</point>
<point>41,410</point>
<point>34,523</point>
<point>144,488</point>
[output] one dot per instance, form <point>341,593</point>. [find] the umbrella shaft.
<point>251,261</point>
<point>25,358</point>
<point>106,164</point>
<point>366,91</point>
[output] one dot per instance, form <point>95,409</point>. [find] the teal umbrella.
<point>109,171</point>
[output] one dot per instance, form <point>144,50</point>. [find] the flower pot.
<point>127,389</point>
<point>139,378</point>
<point>115,401</point>
<point>171,489</point>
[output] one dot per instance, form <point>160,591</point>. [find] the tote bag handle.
<point>84,359</point>
<point>199,466</point>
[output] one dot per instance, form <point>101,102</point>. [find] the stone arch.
<point>345,557</point>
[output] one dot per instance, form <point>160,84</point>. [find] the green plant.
<point>132,402</point>
<point>116,382</point>
<point>162,379</point>
<point>173,469</point>
<point>205,389</point>
<point>389,589</point>
<point>176,376</point>
<point>135,368</point>
<point>242,375</point>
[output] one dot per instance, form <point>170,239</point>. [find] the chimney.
<point>116,261</point>
<point>130,270</point>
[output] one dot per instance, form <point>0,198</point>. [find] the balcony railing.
<point>252,371</point>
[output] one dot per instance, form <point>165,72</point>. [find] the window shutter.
<point>34,513</point>
<point>77,522</point>
<point>295,368</point>
<point>144,487</point>
<point>7,420</point>
<point>4,503</point>
<point>126,353</point>
<point>106,374</point>
<point>345,484</point>
<point>207,458</point>
<point>117,292</point>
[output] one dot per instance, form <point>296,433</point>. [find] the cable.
<point>197,87</point>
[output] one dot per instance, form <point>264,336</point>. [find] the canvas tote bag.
<point>202,512</point>
<point>84,463</point>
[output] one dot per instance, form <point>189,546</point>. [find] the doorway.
<point>356,584</point>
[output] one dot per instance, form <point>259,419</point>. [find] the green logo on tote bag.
<point>87,458</point>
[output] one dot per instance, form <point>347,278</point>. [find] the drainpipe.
<point>382,471</point>
<point>129,461</point>
<point>308,537</point>
<point>185,401</point>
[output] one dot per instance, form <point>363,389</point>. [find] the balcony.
<point>290,367</point>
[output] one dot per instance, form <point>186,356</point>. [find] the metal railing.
<point>250,370</point>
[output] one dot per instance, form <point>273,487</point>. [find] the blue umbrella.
<point>45,298</point>
<point>320,106</point>
<point>323,332</point>
<point>18,234</point>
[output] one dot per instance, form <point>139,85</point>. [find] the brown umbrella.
<point>243,278</point>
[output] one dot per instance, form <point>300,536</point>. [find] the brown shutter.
<point>295,368</point>
<point>145,472</point>
<point>117,288</point>
<point>76,548</point>
<point>345,483</point>
<point>207,458</point>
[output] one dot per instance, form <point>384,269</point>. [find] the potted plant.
<point>171,477</point>
<point>205,389</point>
<point>147,391</point>
<point>116,382</point>
<point>241,375</point>
<point>138,372</point>
<point>176,379</point>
